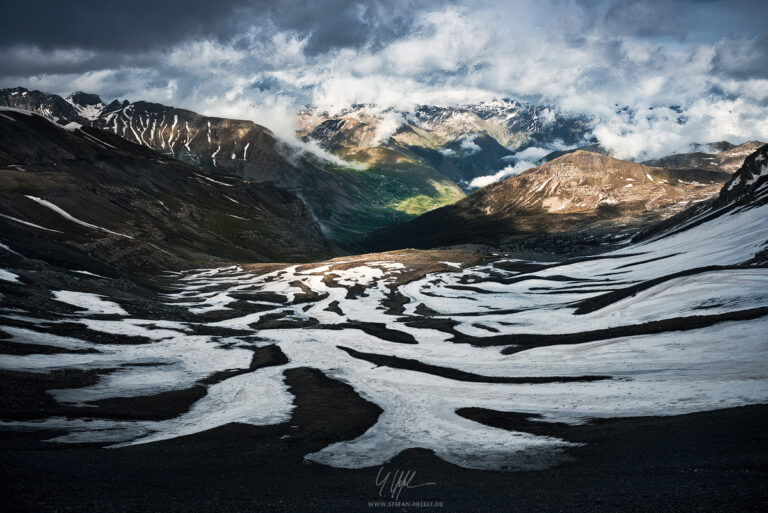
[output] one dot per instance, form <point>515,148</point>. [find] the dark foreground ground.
<point>711,461</point>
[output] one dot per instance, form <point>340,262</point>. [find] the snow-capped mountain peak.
<point>87,105</point>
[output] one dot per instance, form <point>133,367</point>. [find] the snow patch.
<point>90,303</point>
<point>69,217</point>
<point>9,276</point>
<point>27,223</point>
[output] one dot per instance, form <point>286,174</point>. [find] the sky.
<point>654,76</point>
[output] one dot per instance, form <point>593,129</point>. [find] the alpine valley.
<point>199,315</point>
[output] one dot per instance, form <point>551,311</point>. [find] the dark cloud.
<point>742,58</point>
<point>651,18</point>
<point>648,18</point>
<point>697,20</point>
<point>341,23</point>
<point>142,25</point>
<point>22,61</point>
<point>264,84</point>
<point>95,24</point>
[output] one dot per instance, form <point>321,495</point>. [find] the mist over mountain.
<point>365,169</point>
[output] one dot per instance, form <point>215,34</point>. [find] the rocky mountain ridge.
<point>721,156</point>
<point>584,181</point>
<point>79,190</point>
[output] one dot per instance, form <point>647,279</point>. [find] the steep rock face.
<point>749,180</point>
<point>49,105</point>
<point>86,189</point>
<point>88,106</point>
<point>339,133</point>
<point>577,191</point>
<point>229,144</point>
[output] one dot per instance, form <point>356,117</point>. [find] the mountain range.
<point>462,142</point>
<point>347,203</point>
<point>406,173</point>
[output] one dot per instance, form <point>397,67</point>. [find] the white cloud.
<point>534,153</point>
<point>469,147</point>
<point>442,41</point>
<point>516,169</point>
<point>388,124</point>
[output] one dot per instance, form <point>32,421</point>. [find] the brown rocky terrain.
<point>583,181</point>
<point>580,190</point>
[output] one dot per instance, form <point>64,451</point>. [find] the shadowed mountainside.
<point>90,191</point>
<point>349,202</point>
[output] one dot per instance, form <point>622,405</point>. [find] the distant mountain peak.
<point>88,106</point>
<point>716,156</point>
<point>81,98</point>
<point>585,161</point>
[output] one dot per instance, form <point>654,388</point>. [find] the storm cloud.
<point>141,25</point>
<point>654,76</point>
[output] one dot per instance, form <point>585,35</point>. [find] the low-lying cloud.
<point>388,124</point>
<point>469,146</point>
<point>523,160</point>
<point>534,153</point>
<point>512,170</point>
